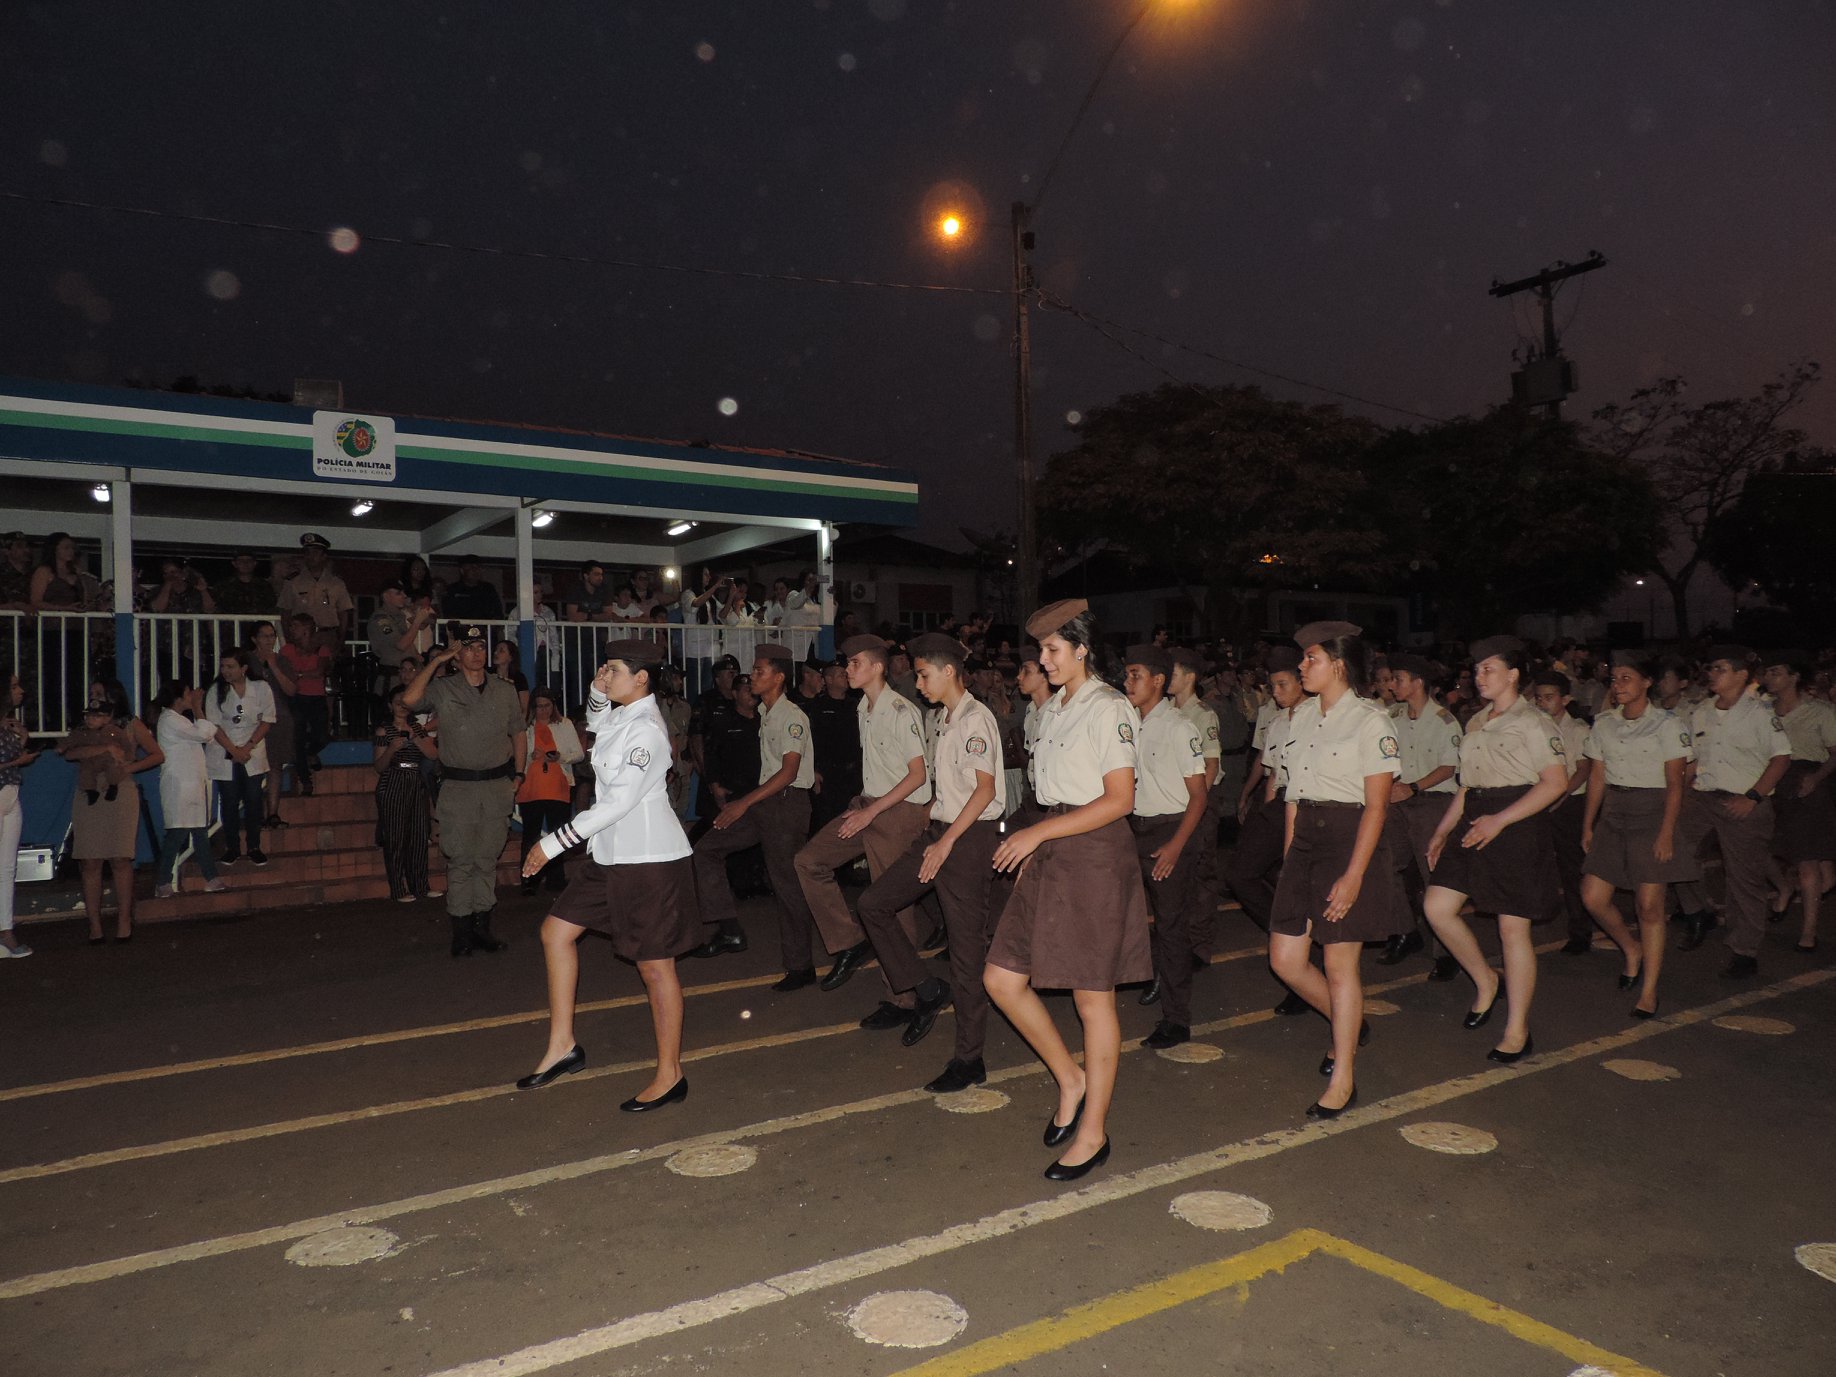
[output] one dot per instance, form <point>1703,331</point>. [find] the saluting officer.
<point>1742,753</point>
<point>1077,918</point>
<point>953,857</point>
<point>880,824</point>
<point>1170,801</point>
<point>482,747</point>
<point>1631,829</point>
<point>1338,881</point>
<point>1511,770</point>
<point>1806,827</point>
<point>1428,736</point>
<point>775,817</point>
<point>1551,692</point>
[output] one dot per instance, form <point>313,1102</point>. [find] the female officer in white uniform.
<point>1338,880</point>
<point>637,885</point>
<point>1511,770</point>
<point>1077,919</point>
<point>1634,806</point>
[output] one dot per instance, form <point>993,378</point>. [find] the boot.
<point>482,940</point>
<point>462,933</point>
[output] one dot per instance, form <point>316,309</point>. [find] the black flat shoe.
<point>923,1017</point>
<point>796,980</point>
<point>1696,928</point>
<point>887,1017</point>
<point>1291,1005</point>
<point>1057,1134</point>
<point>721,944</point>
<point>1167,1034</point>
<point>1627,982</point>
<point>1058,1171</point>
<point>1151,995</point>
<point>1643,1013</point>
<point>1577,946</point>
<point>569,1064</point>
<point>958,1075</point>
<point>846,964</point>
<point>1477,1018</point>
<point>674,1095</point>
<point>1512,1058</point>
<point>1445,969</point>
<point>1399,948</point>
<point>1319,1111</point>
<point>1330,1063</point>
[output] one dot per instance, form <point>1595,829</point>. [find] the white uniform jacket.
<point>630,822</point>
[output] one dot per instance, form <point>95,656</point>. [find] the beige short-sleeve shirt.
<point>784,728</point>
<point>1735,746</point>
<point>1633,750</point>
<point>1427,743</point>
<point>1573,732</point>
<point>1811,729</point>
<point>1080,740</point>
<point>1166,755</point>
<point>968,744</point>
<point>892,732</point>
<point>1202,717</point>
<point>1510,749</point>
<point>1329,754</point>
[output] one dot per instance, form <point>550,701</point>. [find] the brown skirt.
<point>648,909</point>
<point>1324,839</point>
<point>1804,829</point>
<point>105,830</point>
<point>1515,873</point>
<point>1077,919</point>
<point>1624,834</point>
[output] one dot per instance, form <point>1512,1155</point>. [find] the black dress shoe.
<point>1577,946</point>
<point>887,1017</point>
<point>1057,1134</point>
<point>674,1095</point>
<point>1643,1013</point>
<point>1740,967</point>
<point>923,1017</point>
<point>1511,1058</point>
<point>1330,1063</point>
<point>569,1064</point>
<point>1445,969</point>
<point>939,935</point>
<point>1167,1034</point>
<point>462,933</point>
<point>1291,1005</point>
<point>796,980</point>
<point>1477,1018</point>
<point>1319,1111</point>
<point>1696,928</point>
<point>1151,995</point>
<point>958,1075</point>
<point>845,965</point>
<point>1626,982</point>
<point>1058,1171</point>
<point>482,937</point>
<point>1400,946</point>
<point>720,944</point>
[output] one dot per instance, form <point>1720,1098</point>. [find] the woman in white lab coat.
<point>184,782</point>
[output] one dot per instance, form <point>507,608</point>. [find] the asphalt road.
<point>288,1145</point>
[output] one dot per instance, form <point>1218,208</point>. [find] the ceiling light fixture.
<point>363,508</point>
<point>541,519</point>
<point>681,528</point>
<point>100,492</point>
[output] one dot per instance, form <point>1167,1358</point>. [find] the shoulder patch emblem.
<point>1777,725</point>
<point>1388,748</point>
<point>1195,745</point>
<point>976,745</point>
<point>638,757</point>
<point>1126,732</point>
<point>914,726</point>
<point>1555,744</point>
<point>795,731</point>
<point>1211,732</point>
<point>1683,737</point>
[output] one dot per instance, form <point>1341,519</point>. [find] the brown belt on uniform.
<point>1323,803</point>
<point>452,772</point>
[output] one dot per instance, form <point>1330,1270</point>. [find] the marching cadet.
<point>1428,736</point>
<point>1077,918</point>
<point>881,824</point>
<point>1511,771</point>
<point>1208,886</point>
<point>1338,881</point>
<point>636,885</point>
<point>775,817</point>
<point>1031,680</point>
<point>1170,797</point>
<point>1550,691</point>
<point>835,735</point>
<point>1630,829</point>
<point>954,857</point>
<point>1742,753</point>
<point>1806,827</point>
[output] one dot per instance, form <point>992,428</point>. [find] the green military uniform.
<point>478,789</point>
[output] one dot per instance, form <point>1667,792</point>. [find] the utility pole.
<point>1546,378</point>
<point>1027,573</point>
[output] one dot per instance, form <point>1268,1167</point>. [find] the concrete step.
<point>247,894</point>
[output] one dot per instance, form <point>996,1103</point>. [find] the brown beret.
<point>1187,659</point>
<point>1495,645</point>
<point>1284,659</point>
<point>1402,662</point>
<point>634,652</point>
<point>1639,660</point>
<point>1151,658</point>
<point>1740,656</point>
<point>1053,616</point>
<point>854,645</point>
<point>1318,633</point>
<point>771,650</point>
<point>936,647</point>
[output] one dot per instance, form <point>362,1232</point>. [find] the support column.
<point>525,594</point>
<point>121,573</point>
<point>825,580</point>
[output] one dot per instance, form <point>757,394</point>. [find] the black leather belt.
<point>451,773</point>
<point>1323,803</point>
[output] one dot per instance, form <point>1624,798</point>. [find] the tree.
<point>1210,481</point>
<point>1777,535</point>
<point>1700,458</point>
<point>1509,513</point>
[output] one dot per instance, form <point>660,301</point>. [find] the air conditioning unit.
<point>863,590</point>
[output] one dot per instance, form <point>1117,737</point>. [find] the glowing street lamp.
<point>950,226</point>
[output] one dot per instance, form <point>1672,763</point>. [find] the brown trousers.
<point>1746,856</point>
<point>886,838</point>
<point>777,826</point>
<point>1419,817</point>
<point>1171,901</point>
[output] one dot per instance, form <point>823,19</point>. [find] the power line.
<point>486,250</point>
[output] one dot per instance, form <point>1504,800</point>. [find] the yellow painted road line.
<point>1080,1323</point>
<point>470,1025</point>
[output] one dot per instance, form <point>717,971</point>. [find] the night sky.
<point>1321,189</point>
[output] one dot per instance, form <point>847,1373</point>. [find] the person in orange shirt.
<point>545,797</point>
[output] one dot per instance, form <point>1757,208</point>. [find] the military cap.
<point>1318,633</point>
<point>313,540</point>
<point>1403,662</point>
<point>1053,616</point>
<point>1152,658</point>
<point>1284,659</point>
<point>1186,658</point>
<point>1495,645</point>
<point>771,650</point>
<point>634,652</point>
<point>1740,656</point>
<point>937,648</point>
<point>854,645</point>
<point>469,632</point>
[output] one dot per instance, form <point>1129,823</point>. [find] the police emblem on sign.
<point>638,757</point>
<point>1388,748</point>
<point>976,745</point>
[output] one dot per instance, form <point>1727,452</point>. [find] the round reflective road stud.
<point>1192,1053</point>
<point>342,1247</point>
<point>1381,1008</point>
<point>978,1099</point>
<point>1635,1070</point>
<point>1819,1258</point>
<point>907,1319</point>
<point>1221,1211</point>
<point>1752,1023</point>
<point>1592,1372</point>
<point>1455,1139</point>
<point>717,1159</point>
